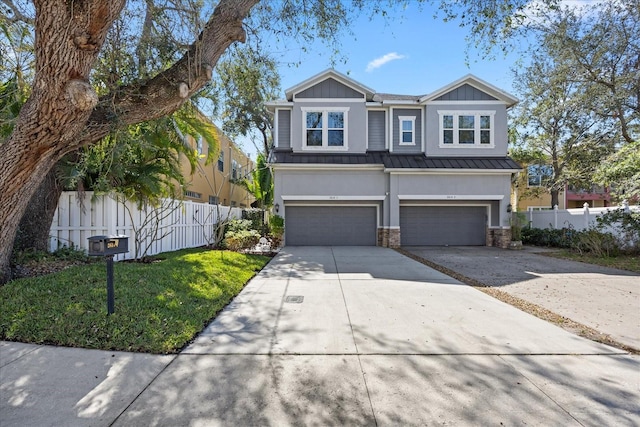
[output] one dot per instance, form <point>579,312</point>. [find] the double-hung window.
<point>407,130</point>
<point>324,128</point>
<point>466,128</point>
<point>221,161</point>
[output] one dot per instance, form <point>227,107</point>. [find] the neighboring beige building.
<point>215,183</point>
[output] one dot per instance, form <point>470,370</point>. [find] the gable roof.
<point>477,83</point>
<point>326,74</point>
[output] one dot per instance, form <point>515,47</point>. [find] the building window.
<point>539,175</point>
<point>407,130</point>
<point>325,129</point>
<point>235,170</point>
<point>192,194</point>
<point>221,161</point>
<point>214,200</point>
<point>199,145</point>
<point>464,128</point>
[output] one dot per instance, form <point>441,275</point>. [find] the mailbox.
<point>108,245</point>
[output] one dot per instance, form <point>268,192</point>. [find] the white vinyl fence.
<point>151,230</point>
<point>578,219</point>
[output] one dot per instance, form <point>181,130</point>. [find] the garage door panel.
<point>330,225</point>
<point>442,225</point>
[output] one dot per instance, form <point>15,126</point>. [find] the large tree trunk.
<point>61,114</point>
<point>33,231</point>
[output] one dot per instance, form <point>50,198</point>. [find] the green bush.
<point>242,239</point>
<point>625,224</point>
<point>276,224</point>
<point>558,238</point>
<point>596,243</point>
<point>256,217</point>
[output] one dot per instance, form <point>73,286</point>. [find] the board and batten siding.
<point>466,92</point>
<point>376,130</point>
<point>284,128</point>
<point>329,88</point>
<point>417,146</point>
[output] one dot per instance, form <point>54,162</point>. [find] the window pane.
<point>314,120</point>
<point>534,180</point>
<point>465,137</point>
<point>336,138</point>
<point>407,137</point>
<point>314,138</point>
<point>448,137</point>
<point>466,122</point>
<point>485,122</point>
<point>336,120</point>
<point>407,125</point>
<point>447,122</point>
<point>485,137</point>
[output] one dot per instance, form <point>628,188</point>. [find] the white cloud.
<point>379,62</point>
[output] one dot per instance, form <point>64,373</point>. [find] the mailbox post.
<point>108,246</point>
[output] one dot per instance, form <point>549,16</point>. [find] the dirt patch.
<point>527,307</point>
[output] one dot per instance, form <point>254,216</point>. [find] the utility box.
<point>108,245</point>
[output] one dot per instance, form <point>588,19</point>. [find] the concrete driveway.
<point>356,336</point>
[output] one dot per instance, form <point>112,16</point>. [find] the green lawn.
<point>159,307</point>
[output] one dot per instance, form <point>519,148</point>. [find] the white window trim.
<point>325,127</point>
<point>411,119</point>
<point>476,114</point>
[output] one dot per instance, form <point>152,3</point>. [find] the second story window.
<point>221,161</point>
<point>235,170</point>
<point>324,128</point>
<point>466,128</point>
<point>407,130</point>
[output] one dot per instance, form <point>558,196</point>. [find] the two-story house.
<point>356,167</point>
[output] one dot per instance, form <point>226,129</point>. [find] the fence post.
<point>555,217</point>
<point>586,215</point>
<point>625,206</point>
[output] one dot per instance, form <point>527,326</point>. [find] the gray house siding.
<point>433,148</point>
<point>377,130</point>
<point>284,129</point>
<point>355,123</point>
<point>329,88</point>
<point>466,92</point>
<point>417,146</point>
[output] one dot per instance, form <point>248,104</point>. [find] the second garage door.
<point>443,225</point>
<point>330,226</point>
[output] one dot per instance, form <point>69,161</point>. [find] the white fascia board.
<point>320,166</point>
<point>374,104</point>
<point>450,196</point>
<point>450,171</point>
<point>331,198</point>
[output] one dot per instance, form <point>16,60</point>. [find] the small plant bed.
<point>35,263</point>
<point>159,307</point>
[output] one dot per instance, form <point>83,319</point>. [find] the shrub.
<point>243,239</point>
<point>559,238</point>
<point>625,224</point>
<point>276,224</point>
<point>256,217</point>
<point>240,234</point>
<point>596,243</point>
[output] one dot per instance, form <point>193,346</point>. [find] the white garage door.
<point>443,225</point>
<point>330,226</point>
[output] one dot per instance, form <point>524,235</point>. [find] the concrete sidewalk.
<point>328,336</point>
<point>605,299</point>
